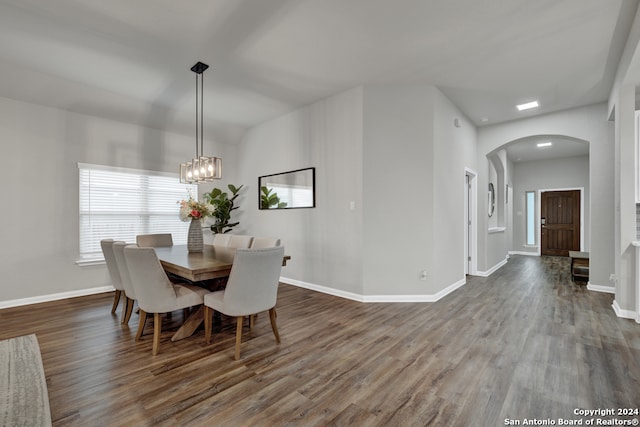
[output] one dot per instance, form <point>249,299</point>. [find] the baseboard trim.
<point>55,297</point>
<point>600,288</point>
<point>375,298</point>
<point>625,314</point>
<point>416,298</point>
<point>493,269</point>
<point>322,289</point>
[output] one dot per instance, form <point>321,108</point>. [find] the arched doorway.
<point>525,167</point>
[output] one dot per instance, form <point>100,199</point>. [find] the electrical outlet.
<point>423,275</point>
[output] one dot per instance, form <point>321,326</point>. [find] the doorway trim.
<point>539,210</point>
<point>470,222</point>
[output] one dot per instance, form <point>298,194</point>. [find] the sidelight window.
<point>530,201</point>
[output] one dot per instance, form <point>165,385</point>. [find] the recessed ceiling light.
<point>528,105</point>
<point>545,144</point>
<point>484,119</point>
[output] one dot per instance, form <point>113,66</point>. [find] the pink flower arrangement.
<point>193,209</point>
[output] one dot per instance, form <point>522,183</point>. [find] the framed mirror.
<point>288,190</point>
<point>491,203</point>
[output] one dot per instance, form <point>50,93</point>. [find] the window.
<point>119,204</point>
<point>530,200</point>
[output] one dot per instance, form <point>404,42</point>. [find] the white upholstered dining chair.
<point>155,292</point>
<point>240,241</point>
<point>154,240</point>
<point>129,292</point>
<point>114,272</point>
<point>221,239</point>
<point>162,240</point>
<point>264,242</point>
<point>252,288</point>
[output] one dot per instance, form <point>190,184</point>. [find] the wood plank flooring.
<point>524,343</point>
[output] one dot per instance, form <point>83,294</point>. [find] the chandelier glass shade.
<point>201,168</point>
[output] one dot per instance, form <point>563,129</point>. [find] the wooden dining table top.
<point>211,263</point>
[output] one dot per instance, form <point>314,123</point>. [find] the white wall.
<point>40,215</point>
<point>589,124</point>
<point>414,194</point>
<point>373,148</point>
<point>492,221</point>
<point>621,106</point>
<point>398,190</point>
<point>455,150</point>
<point>325,242</point>
<point>494,227</point>
<point>625,151</point>
<point>571,172</point>
<point>510,202</point>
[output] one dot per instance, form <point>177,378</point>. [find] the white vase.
<point>194,238</point>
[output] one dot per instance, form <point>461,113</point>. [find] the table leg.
<point>190,325</point>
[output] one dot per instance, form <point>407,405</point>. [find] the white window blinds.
<point>119,204</point>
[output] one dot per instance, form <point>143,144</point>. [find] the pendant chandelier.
<point>201,168</point>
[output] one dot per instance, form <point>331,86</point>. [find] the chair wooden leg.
<point>252,320</point>
<point>124,300</point>
<point>143,320</point>
<point>126,315</point>
<point>238,336</point>
<point>272,317</point>
<point>208,320</point>
<point>116,300</point>
<point>157,328</point>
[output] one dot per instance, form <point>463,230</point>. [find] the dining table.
<point>212,263</point>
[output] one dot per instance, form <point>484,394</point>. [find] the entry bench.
<point>579,265</point>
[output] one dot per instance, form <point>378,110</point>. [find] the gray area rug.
<point>24,400</point>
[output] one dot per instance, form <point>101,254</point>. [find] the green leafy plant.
<point>269,200</point>
<point>224,205</point>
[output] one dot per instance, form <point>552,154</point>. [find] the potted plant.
<point>223,206</point>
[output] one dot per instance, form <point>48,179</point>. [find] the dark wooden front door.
<point>560,222</point>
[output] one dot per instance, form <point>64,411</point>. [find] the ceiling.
<point>527,150</point>
<point>130,60</point>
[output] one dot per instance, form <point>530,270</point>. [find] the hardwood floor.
<point>523,343</point>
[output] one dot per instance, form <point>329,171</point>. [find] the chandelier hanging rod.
<point>201,168</point>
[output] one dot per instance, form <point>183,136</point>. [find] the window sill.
<point>493,230</point>
<point>89,262</point>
